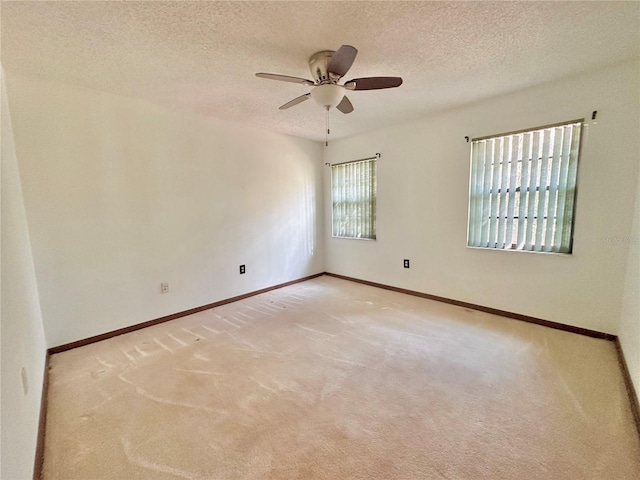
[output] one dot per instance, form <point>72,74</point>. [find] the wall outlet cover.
<point>406,263</point>
<point>242,269</point>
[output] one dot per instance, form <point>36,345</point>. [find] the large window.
<point>522,189</point>
<point>353,197</point>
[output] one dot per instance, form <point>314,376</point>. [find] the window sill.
<point>353,238</point>
<point>559,254</point>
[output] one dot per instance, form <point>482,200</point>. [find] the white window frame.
<point>499,214</point>
<point>354,199</point>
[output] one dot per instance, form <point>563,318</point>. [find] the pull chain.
<point>326,137</point>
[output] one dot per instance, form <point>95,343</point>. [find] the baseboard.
<point>42,423</point>
<point>631,390</point>
<point>481,308</point>
<point>39,460</point>
<point>139,326</point>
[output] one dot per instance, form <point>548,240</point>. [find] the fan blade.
<point>342,60</point>
<point>345,105</point>
<point>373,83</point>
<point>284,78</point>
<point>296,101</point>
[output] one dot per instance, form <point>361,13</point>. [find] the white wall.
<point>629,332</point>
<point>423,193</point>
<point>122,195</point>
<point>22,334</point>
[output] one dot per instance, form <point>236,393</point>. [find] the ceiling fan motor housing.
<point>319,64</point>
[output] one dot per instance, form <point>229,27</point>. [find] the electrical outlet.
<point>164,287</point>
<point>243,270</point>
<point>406,263</point>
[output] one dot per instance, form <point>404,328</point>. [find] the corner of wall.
<point>23,343</point>
<point>629,323</point>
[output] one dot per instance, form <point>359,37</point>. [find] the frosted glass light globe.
<point>328,95</point>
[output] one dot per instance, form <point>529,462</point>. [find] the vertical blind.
<point>522,190</point>
<point>353,196</point>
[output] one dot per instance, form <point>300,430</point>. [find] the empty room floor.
<point>331,379</point>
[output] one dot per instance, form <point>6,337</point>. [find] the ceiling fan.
<point>327,68</point>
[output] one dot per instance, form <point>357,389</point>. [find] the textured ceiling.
<point>202,56</point>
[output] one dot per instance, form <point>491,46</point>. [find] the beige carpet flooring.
<point>330,379</point>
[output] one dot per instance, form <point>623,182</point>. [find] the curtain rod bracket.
<point>467,139</point>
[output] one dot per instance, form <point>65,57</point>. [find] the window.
<point>522,189</point>
<point>353,197</point>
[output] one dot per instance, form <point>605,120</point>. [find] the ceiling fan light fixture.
<point>328,95</point>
